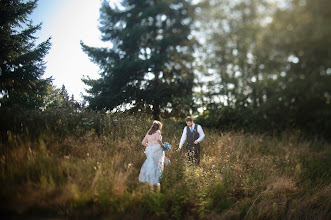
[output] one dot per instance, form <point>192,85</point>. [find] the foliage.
<point>271,65</point>
<point>59,98</point>
<point>21,62</point>
<point>149,66</point>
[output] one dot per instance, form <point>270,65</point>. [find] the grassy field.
<point>89,173</point>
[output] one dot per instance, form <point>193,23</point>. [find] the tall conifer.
<point>149,66</point>
<point>21,61</point>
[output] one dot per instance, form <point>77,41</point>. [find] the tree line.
<point>256,65</point>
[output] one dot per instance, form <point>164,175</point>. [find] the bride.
<point>152,168</point>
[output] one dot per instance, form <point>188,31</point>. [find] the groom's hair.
<point>189,118</point>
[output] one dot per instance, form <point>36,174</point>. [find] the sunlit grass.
<point>96,174</point>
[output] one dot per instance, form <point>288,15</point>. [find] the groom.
<point>194,134</point>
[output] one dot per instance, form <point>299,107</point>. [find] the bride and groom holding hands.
<point>152,168</point>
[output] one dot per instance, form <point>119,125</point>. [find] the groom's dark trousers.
<point>193,150</point>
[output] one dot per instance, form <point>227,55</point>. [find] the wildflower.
<point>88,154</point>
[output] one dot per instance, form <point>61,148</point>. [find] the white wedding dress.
<point>152,168</point>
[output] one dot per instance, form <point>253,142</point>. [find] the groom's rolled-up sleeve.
<point>201,134</point>
<point>182,139</point>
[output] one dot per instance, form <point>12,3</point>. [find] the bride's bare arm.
<point>159,138</point>
<point>144,142</point>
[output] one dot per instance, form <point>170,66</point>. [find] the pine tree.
<point>59,98</point>
<point>149,66</point>
<point>21,61</point>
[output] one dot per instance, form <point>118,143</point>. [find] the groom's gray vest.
<point>191,137</point>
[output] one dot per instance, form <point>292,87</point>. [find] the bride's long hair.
<point>157,125</point>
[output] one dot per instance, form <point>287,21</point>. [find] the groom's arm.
<point>182,139</point>
<point>201,134</point>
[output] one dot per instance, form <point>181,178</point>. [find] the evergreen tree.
<point>59,98</point>
<point>149,66</point>
<point>21,61</point>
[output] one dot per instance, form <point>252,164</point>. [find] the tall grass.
<point>91,170</point>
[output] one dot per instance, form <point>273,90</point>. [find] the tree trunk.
<point>156,111</point>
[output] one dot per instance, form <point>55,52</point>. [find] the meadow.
<point>86,165</point>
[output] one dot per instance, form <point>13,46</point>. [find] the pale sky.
<point>68,22</point>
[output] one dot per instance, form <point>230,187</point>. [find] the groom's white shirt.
<point>183,138</point>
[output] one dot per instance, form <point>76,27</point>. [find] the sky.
<point>68,22</point>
